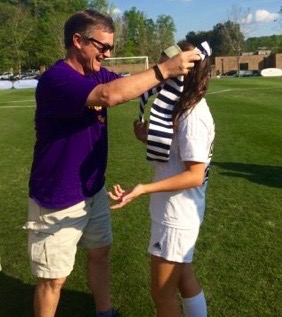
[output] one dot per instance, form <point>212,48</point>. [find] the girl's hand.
<point>141,130</point>
<point>118,192</point>
<point>123,197</point>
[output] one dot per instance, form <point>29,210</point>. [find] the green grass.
<point>238,257</point>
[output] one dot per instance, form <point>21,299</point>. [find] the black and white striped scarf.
<point>160,130</point>
<point>144,99</point>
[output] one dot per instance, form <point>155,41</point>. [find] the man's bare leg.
<point>47,295</point>
<point>99,278</point>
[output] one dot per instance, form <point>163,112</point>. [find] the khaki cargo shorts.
<point>54,234</point>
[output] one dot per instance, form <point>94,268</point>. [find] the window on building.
<point>244,66</point>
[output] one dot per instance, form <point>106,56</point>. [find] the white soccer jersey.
<point>192,142</point>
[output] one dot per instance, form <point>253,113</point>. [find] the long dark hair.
<point>195,84</point>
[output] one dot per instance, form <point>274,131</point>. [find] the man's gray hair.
<point>82,21</point>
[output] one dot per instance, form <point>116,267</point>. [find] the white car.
<point>6,75</point>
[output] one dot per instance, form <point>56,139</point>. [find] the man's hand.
<point>180,64</point>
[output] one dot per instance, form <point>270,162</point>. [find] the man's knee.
<point>53,285</point>
<point>99,255</point>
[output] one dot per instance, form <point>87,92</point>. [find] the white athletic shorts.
<point>54,234</point>
<point>173,244</point>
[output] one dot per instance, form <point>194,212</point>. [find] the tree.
<point>274,42</point>
<point>17,26</point>
<point>48,39</point>
<point>103,6</point>
<point>133,25</point>
<point>280,17</point>
<point>197,38</point>
<point>148,47</point>
<point>237,29</point>
<point>227,38</point>
<point>33,31</point>
<point>165,30</point>
<point>142,36</point>
<point>223,38</point>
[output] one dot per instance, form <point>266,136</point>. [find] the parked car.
<point>29,74</point>
<point>231,73</point>
<point>17,77</point>
<point>242,73</point>
<point>6,75</point>
<point>125,74</point>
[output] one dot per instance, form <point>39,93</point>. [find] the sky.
<point>202,15</point>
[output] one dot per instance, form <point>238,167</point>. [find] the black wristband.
<point>158,73</point>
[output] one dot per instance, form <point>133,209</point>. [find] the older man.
<point>68,204</point>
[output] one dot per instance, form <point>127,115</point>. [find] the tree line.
<point>31,33</point>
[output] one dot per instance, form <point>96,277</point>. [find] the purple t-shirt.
<point>70,153</point>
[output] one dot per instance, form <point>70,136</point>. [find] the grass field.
<point>238,258</point>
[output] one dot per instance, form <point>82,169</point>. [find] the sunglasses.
<point>103,48</point>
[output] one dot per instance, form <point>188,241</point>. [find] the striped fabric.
<point>144,99</point>
<point>207,170</point>
<point>160,130</point>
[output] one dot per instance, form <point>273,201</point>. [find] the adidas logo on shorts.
<point>157,245</point>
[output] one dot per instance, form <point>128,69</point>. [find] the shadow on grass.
<point>16,299</point>
<point>267,175</point>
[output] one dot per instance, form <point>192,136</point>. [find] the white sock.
<point>195,306</point>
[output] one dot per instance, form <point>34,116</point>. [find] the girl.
<point>177,195</point>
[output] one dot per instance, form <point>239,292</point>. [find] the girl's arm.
<point>193,176</point>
